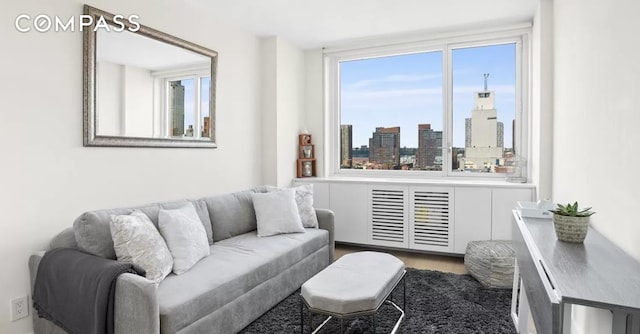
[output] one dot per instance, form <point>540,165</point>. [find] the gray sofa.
<point>242,278</point>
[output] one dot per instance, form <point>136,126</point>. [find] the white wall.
<point>283,105</point>
<point>138,106</point>
<point>270,109</point>
<point>290,94</point>
<point>124,100</point>
<point>541,120</point>
<point>314,104</point>
<point>47,178</point>
<point>109,99</point>
<point>596,144</point>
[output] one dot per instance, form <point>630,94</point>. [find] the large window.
<point>441,109</point>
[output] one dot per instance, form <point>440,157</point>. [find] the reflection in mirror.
<point>146,88</point>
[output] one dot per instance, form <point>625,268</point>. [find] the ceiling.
<point>317,23</point>
<point>144,52</point>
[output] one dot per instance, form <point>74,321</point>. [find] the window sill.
<point>449,181</point>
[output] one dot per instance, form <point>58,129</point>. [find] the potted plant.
<point>571,223</point>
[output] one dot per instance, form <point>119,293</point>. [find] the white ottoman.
<point>355,285</point>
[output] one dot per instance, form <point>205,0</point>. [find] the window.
<point>186,99</point>
<point>442,109</point>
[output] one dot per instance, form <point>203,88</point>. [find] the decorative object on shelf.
<point>307,151</point>
<point>539,209</point>
<point>307,169</point>
<point>306,155</point>
<point>516,167</point>
<point>571,223</point>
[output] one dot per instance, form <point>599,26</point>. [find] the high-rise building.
<point>384,147</point>
<point>176,105</point>
<point>429,155</point>
<point>467,132</point>
<point>484,150</point>
<point>346,146</point>
<point>206,130</point>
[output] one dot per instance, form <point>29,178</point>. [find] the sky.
<point>406,90</point>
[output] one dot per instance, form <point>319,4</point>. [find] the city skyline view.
<point>189,103</point>
<point>406,90</point>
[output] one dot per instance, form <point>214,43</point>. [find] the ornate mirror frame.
<point>91,137</point>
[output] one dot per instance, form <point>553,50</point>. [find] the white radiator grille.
<point>387,215</point>
<point>431,218</point>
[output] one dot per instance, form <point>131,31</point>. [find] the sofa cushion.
<point>64,239</point>
<point>201,208</point>
<point>235,266</point>
<point>185,236</point>
<point>277,213</point>
<point>304,201</point>
<point>231,214</point>
<point>92,231</point>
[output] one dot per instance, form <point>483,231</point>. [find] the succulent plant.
<point>572,210</point>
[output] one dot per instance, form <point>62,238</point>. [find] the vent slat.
<point>388,215</point>
<point>431,218</point>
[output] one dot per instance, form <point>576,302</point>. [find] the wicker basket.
<point>570,229</point>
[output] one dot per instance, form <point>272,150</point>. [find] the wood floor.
<point>450,264</point>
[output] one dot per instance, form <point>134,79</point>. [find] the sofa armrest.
<point>136,305</point>
<point>326,221</point>
<point>34,262</point>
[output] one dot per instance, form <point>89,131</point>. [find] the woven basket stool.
<point>491,262</point>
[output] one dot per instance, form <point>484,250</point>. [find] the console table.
<point>555,275</point>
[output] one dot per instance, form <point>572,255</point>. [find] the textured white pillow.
<point>136,240</point>
<point>276,212</point>
<point>185,236</point>
<point>304,200</point>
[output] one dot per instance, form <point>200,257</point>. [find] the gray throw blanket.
<point>76,290</point>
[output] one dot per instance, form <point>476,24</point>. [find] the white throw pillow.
<point>136,240</point>
<point>185,236</point>
<point>276,212</point>
<point>304,200</point>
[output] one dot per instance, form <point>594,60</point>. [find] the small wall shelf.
<point>306,163</point>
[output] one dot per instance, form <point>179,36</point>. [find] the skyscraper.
<point>346,146</point>
<point>486,133</point>
<point>467,132</point>
<point>206,130</point>
<point>384,147</point>
<point>176,104</point>
<point>429,148</point>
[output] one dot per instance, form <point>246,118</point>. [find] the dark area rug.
<point>437,302</point>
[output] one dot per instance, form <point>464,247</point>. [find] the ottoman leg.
<point>404,294</point>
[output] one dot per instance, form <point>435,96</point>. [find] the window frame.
<point>163,78</point>
<point>332,60</point>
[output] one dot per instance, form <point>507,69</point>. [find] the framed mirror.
<point>145,88</point>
